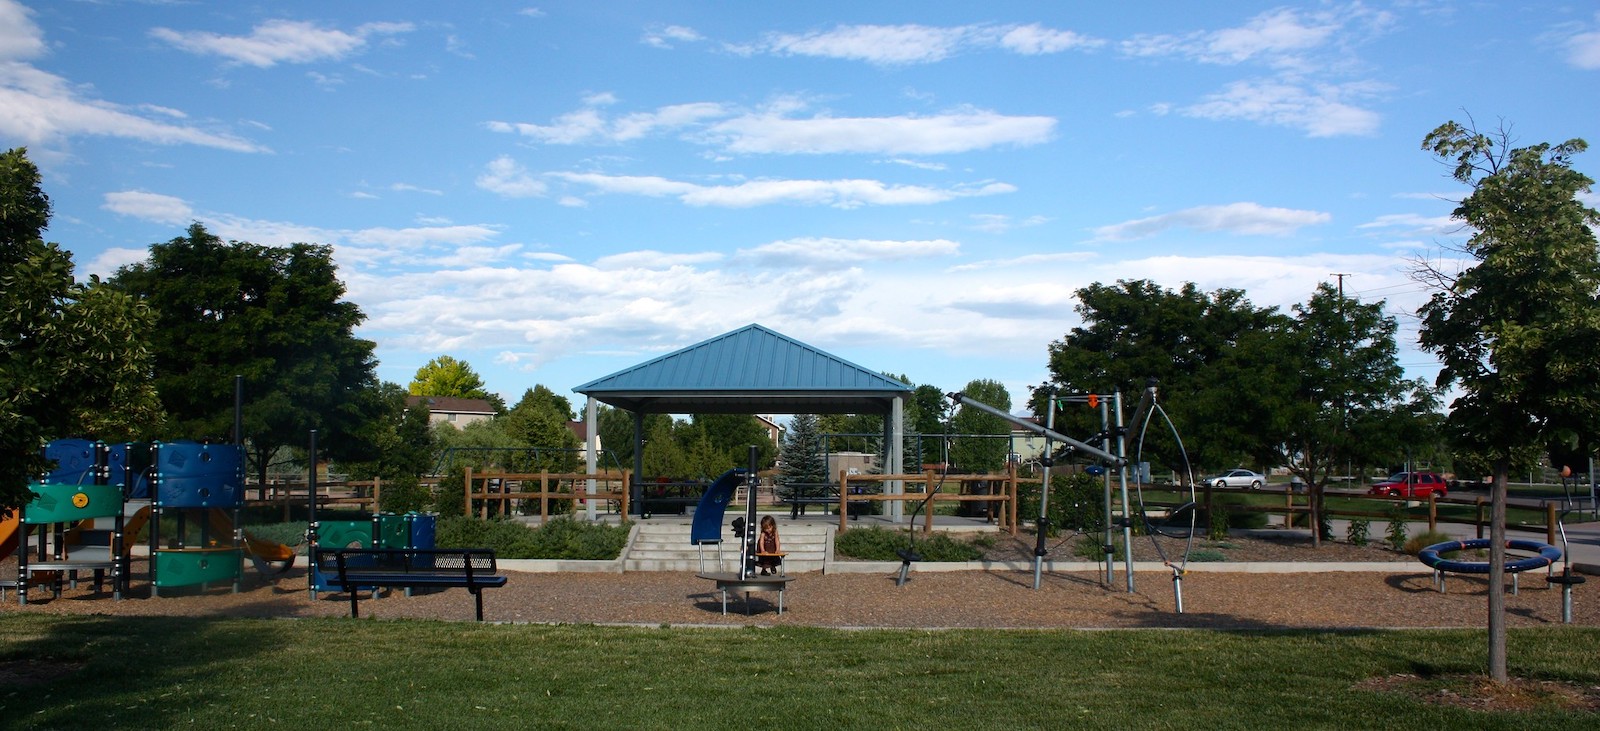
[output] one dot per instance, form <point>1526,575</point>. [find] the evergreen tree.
<point>801,457</point>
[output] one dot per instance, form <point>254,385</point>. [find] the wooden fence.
<point>1292,507</point>
<point>916,489</point>
<point>489,488</point>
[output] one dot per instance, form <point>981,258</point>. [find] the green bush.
<point>1357,531</point>
<point>450,501</point>
<point>882,544</point>
<point>1077,502</point>
<point>1395,536</point>
<point>404,495</point>
<point>1424,539</point>
<point>561,538</point>
<point>1206,555</point>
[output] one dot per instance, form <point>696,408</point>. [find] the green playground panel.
<point>394,531</point>
<point>187,567</point>
<point>72,503</point>
<point>336,534</point>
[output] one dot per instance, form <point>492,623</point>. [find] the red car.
<point>1411,485</point>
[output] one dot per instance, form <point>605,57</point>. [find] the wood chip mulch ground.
<point>1404,597</point>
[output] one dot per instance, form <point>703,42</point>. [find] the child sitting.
<point>769,556</point>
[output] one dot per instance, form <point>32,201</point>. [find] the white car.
<point>1238,478</point>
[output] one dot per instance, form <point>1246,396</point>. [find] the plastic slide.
<point>8,534</point>
<point>269,557</point>
<point>707,527</point>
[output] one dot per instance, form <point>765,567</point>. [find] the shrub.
<point>882,544</point>
<point>403,495</point>
<point>1395,536</point>
<point>1357,531</point>
<point>1218,528</point>
<point>1207,555</point>
<point>1423,540</point>
<point>1077,502</point>
<point>561,538</point>
<point>450,501</point>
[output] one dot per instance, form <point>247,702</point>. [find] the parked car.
<point>1412,485</point>
<point>1237,478</point>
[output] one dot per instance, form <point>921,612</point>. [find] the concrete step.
<point>666,547</point>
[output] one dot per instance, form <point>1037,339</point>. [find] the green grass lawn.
<point>340,673</point>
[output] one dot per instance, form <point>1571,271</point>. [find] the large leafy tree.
<point>729,437</point>
<point>396,441</point>
<point>1515,330</point>
<point>1202,348</point>
<point>73,360</point>
<point>973,453</point>
<point>539,420</point>
<point>1333,371</point>
<point>273,315</point>
<point>448,377</point>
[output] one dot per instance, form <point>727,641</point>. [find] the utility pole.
<point>1341,277</point>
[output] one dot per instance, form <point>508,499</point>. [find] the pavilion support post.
<point>591,453</point>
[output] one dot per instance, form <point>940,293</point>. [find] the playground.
<point>1240,599</point>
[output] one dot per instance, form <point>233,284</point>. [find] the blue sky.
<point>556,191</point>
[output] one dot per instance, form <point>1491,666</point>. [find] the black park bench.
<point>362,569</point>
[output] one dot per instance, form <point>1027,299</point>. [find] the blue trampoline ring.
<point>1430,556</point>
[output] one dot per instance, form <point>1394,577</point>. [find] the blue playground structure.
<point>59,533</point>
<point>1543,554</point>
<point>200,484</point>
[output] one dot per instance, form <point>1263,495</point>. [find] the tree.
<point>730,436</point>
<point>447,377</point>
<point>539,420</point>
<point>1334,367</point>
<point>1515,330</point>
<point>1190,341</point>
<point>397,439</point>
<point>73,360</point>
<point>982,454</point>
<point>273,315</point>
<point>800,455</point>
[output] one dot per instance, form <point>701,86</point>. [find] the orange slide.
<point>268,556</point>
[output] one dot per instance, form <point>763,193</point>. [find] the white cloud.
<point>775,129</point>
<point>1279,37</point>
<point>1028,261</point>
<point>110,260</point>
<point>891,45</point>
<point>150,206</point>
<point>39,108</point>
<point>650,259</point>
<point>1583,50</point>
<point>1238,218</point>
<point>881,44</point>
<point>948,133</point>
<point>1321,111</point>
<point>666,37</point>
<point>409,188</point>
<point>1034,39</point>
<point>837,193</point>
<point>591,126</point>
<point>1415,224</point>
<point>830,253</point>
<point>20,37</point>
<point>280,41</point>
<point>503,176</point>
<point>999,223</point>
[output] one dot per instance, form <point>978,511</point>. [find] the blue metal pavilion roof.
<point>749,370</point>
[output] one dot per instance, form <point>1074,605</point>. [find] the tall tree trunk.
<point>1497,573</point>
<point>1315,493</point>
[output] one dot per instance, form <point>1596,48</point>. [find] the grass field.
<point>111,673</point>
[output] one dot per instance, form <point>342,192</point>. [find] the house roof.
<point>452,405</point>
<point>747,371</point>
